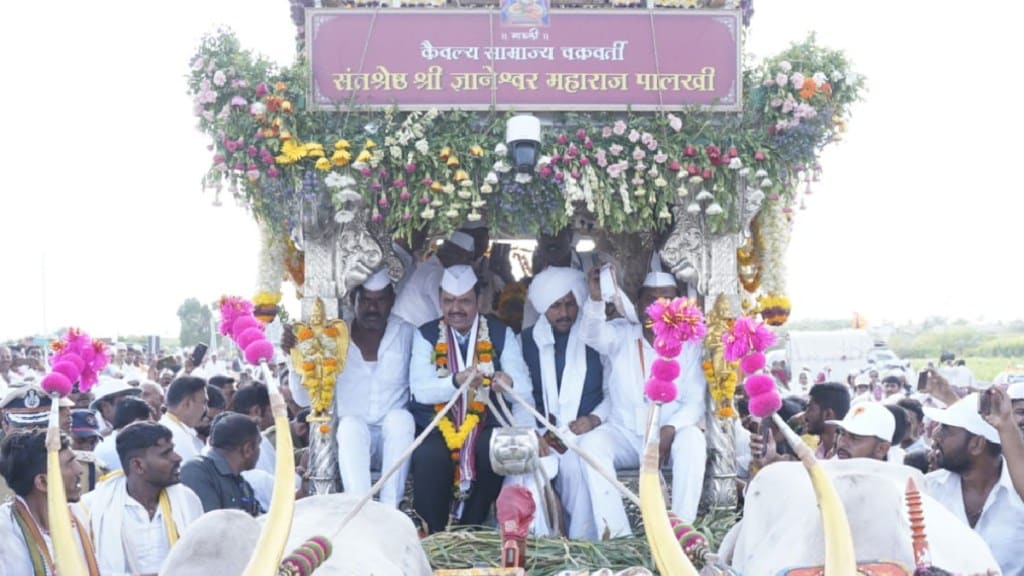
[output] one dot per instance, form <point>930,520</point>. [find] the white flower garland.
<point>774,231</point>
<point>271,265</point>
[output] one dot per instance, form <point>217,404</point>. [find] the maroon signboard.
<point>551,60</point>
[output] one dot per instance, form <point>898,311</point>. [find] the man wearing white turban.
<point>627,348</point>
<point>568,382</point>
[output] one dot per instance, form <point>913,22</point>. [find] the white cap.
<point>108,387</point>
<point>659,280</point>
<point>1016,391</point>
<point>379,280</point>
<point>868,419</point>
<point>457,280</point>
<point>462,240</point>
<point>964,414</point>
<point>861,380</point>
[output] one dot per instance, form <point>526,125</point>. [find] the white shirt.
<point>15,559</point>
<point>621,342</point>
<point>186,442</point>
<point>146,537</point>
<point>418,301</point>
<point>372,389</point>
<point>1001,524</point>
<point>429,389</point>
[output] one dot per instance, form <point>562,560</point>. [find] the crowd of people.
<point>161,441</point>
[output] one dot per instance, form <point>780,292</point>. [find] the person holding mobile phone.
<point>973,479</point>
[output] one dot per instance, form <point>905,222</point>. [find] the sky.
<point>106,226</point>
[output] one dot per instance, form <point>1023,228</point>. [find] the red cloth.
<point>515,510</point>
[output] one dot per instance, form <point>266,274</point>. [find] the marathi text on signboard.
<point>475,60</point>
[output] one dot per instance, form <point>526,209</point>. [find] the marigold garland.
<point>722,391</point>
<point>454,438</point>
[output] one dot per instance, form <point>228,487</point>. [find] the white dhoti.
<point>362,448</point>
<point>615,448</point>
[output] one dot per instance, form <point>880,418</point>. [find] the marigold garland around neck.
<point>674,322</point>
<point>456,429</point>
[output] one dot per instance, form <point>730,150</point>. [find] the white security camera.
<point>522,134</point>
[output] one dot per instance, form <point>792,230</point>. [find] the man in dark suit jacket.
<point>568,381</point>
<point>451,470</point>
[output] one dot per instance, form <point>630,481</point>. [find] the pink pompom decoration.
<point>667,347</point>
<point>89,356</point>
<point>68,369</point>
<point>232,308</point>
<point>249,336</point>
<point>259,350</point>
<point>663,369</point>
<point>661,391</point>
<point>243,323</point>
<point>758,384</point>
<point>765,404</point>
<point>56,383</point>
<point>72,358</point>
<point>752,362</point>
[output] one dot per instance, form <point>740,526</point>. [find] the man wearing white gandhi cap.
<point>461,347</point>
<point>568,382</point>
<point>371,394</point>
<point>618,442</point>
<point>417,303</point>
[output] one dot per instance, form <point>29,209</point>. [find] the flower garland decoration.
<point>77,358</point>
<point>674,322</point>
<point>434,169</point>
<point>722,389</point>
<point>309,344</point>
<point>271,273</point>
<point>455,438</point>
<point>746,342</point>
<point>773,233</point>
<point>774,308</point>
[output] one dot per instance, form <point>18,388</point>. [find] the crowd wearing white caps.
<point>581,361</point>
<point>969,442</point>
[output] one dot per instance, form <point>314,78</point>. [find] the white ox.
<point>379,540</point>
<point>781,525</point>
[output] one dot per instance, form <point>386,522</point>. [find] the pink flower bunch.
<point>238,322</point>
<point>747,336</point>
<point>76,358</point>
<point>678,318</point>
<point>231,309</point>
<point>673,322</point>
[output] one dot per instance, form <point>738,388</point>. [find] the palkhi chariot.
<point>500,115</point>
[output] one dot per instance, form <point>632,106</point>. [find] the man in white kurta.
<point>371,394</point>
<point>136,517</point>
<point>619,443</point>
<point>568,384</point>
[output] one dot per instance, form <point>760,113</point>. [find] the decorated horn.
<point>65,549</point>
<point>673,323</point>
<point>76,358</point>
<point>840,557</point>
<point>274,535</point>
<point>237,320</point>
